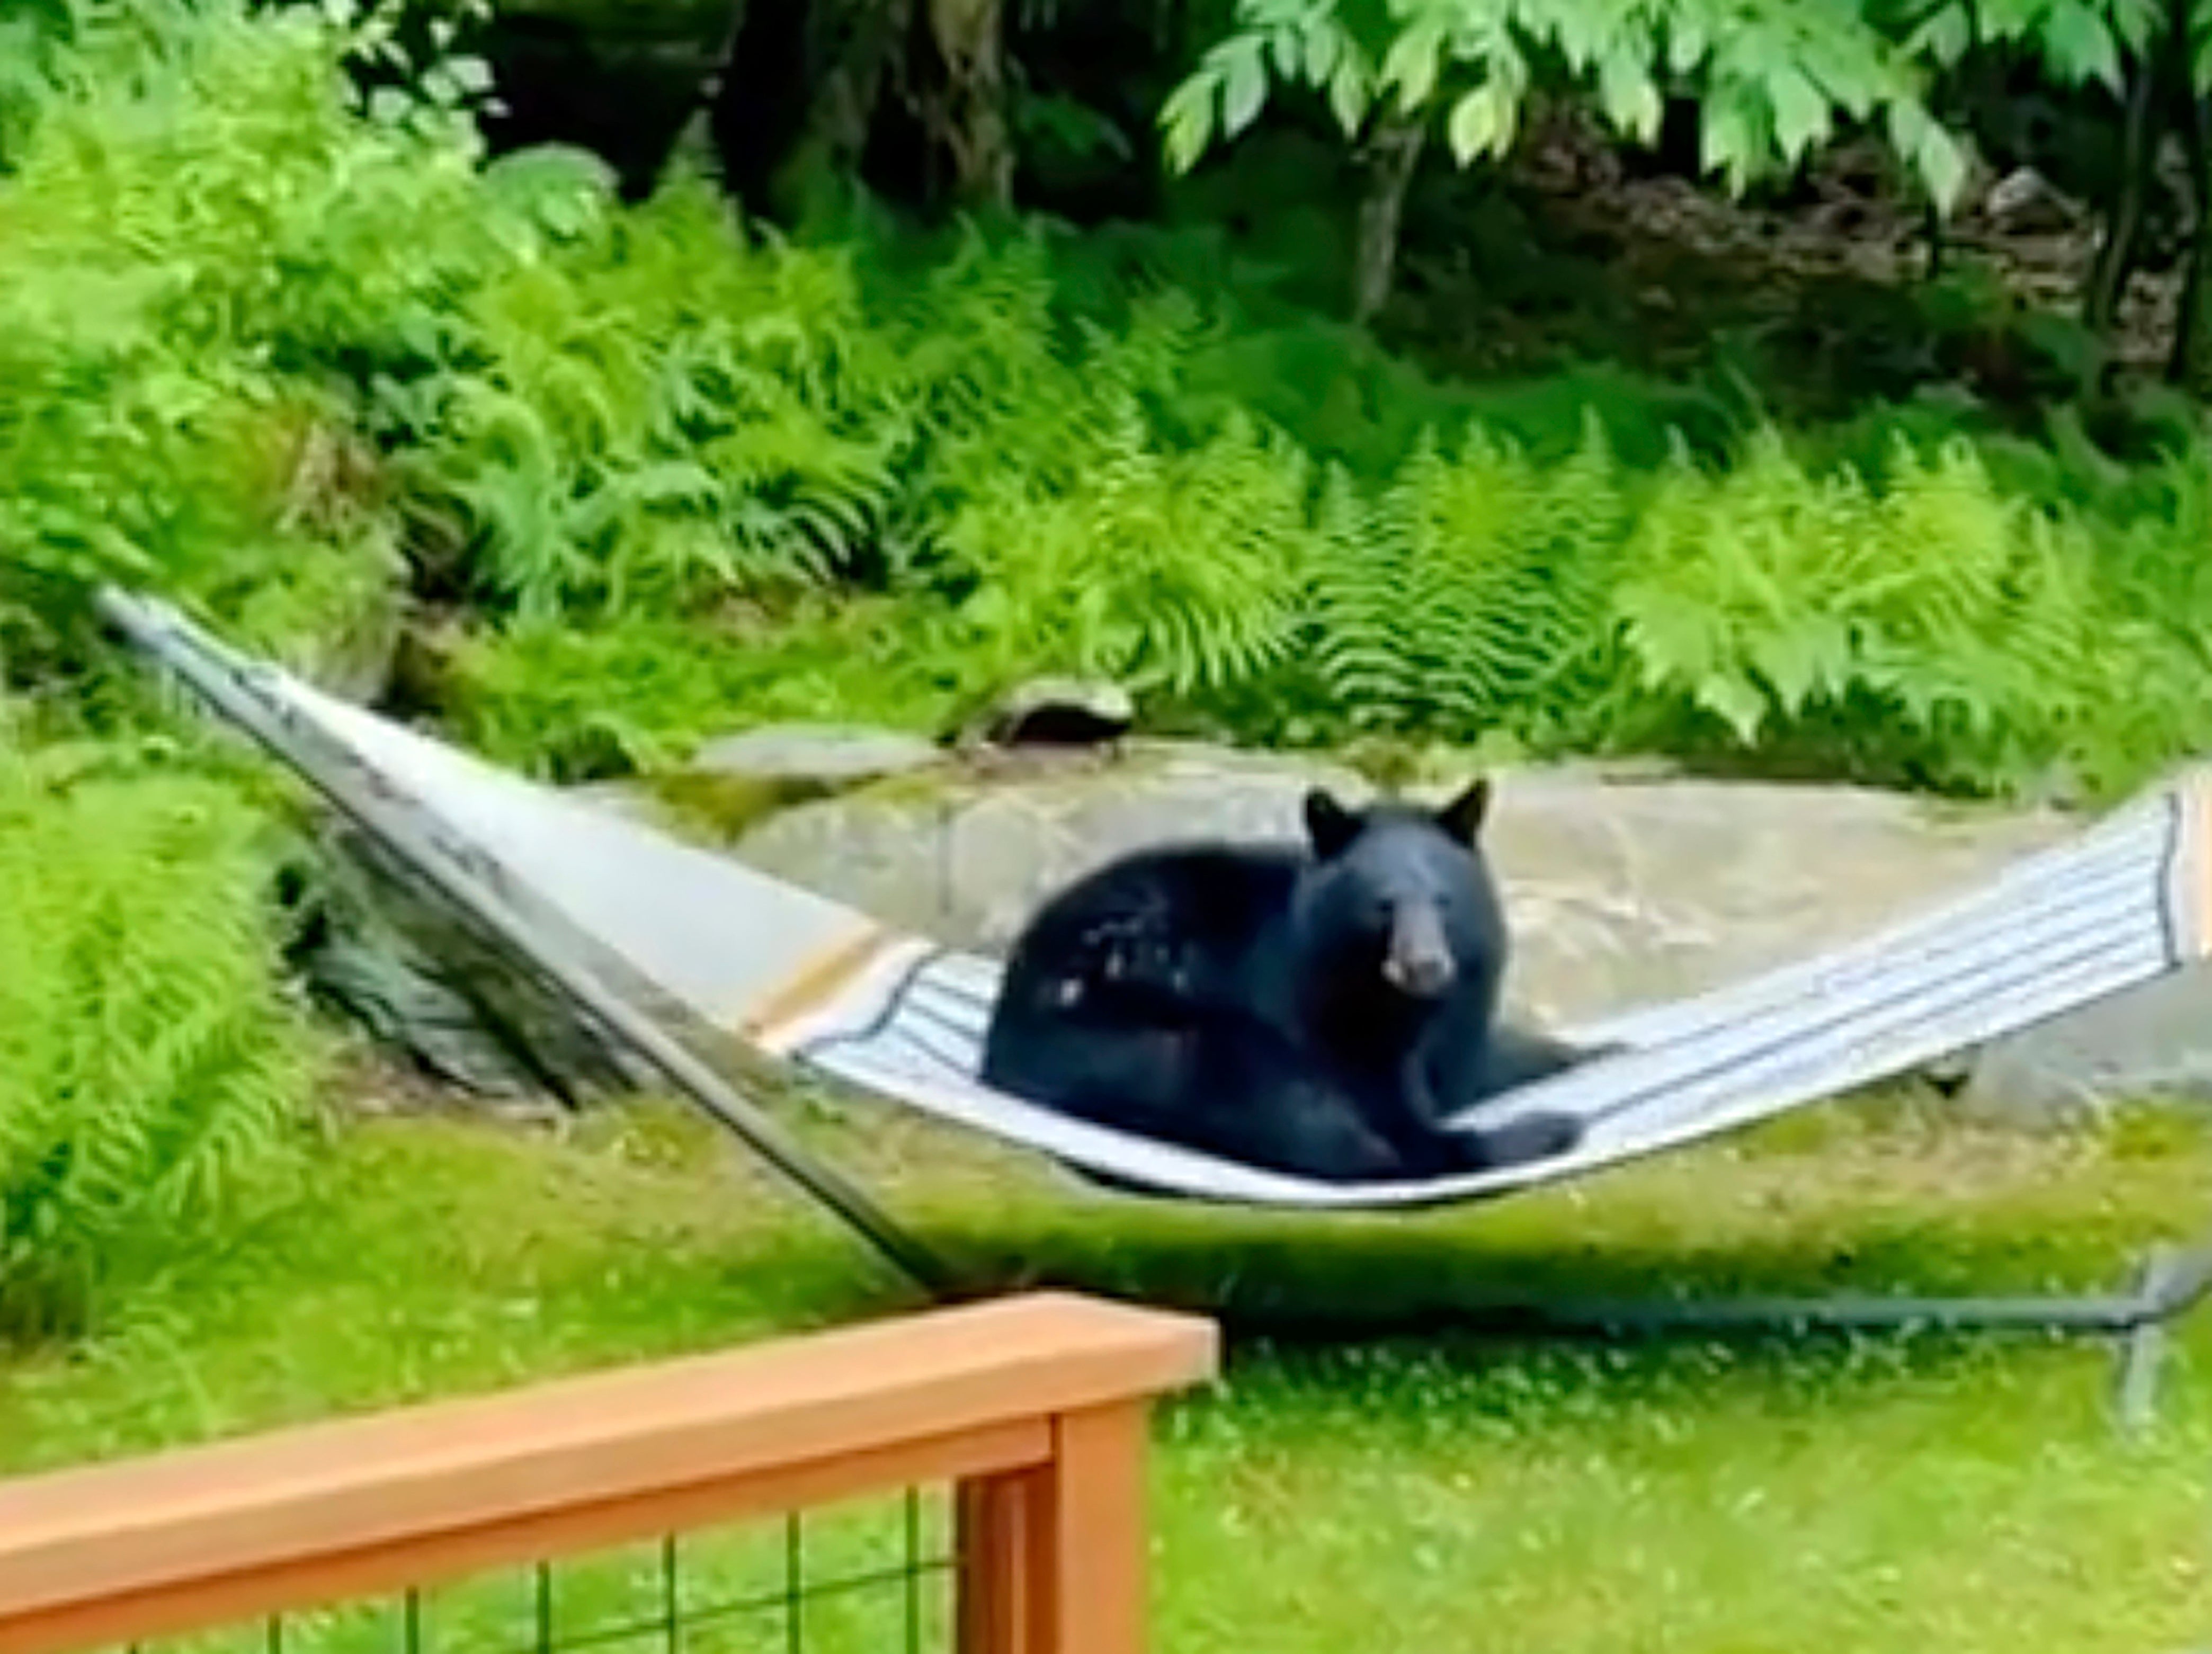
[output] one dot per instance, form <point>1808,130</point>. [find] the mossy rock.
<point>723,809</point>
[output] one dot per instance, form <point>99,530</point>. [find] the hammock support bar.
<point>2168,1283</point>
<point>469,897</point>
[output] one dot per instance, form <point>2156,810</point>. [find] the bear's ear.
<point>1463,816</point>
<point>1329,823</point>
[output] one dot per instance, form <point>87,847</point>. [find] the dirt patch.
<point>1838,253</point>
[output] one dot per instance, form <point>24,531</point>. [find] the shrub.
<point>581,702</point>
<point>148,1066</point>
<point>198,253</point>
<point>1181,572</point>
<point>647,413</point>
<point>1947,633</point>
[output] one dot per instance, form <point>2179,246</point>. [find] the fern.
<point>192,214</point>
<point>1178,571</point>
<point>1962,628</point>
<point>147,1065</point>
<point>2147,707</point>
<point>995,389</point>
<point>1472,589</point>
<point>650,414</point>
<point>639,692</point>
<point>695,475</point>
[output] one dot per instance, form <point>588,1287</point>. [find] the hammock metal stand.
<point>2170,1281</point>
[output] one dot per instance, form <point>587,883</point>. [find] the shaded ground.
<point>1578,253</point>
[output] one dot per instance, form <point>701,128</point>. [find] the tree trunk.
<point>1390,156</point>
<point>2116,257</point>
<point>860,41</point>
<point>965,111</point>
<point>2189,363</point>
<point>1939,242</point>
<point>799,96</point>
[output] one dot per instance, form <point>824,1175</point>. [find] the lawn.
<point>1409,1491</point>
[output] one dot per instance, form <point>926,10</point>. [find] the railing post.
<point>996,1521</point>
<point>1053,1557</point>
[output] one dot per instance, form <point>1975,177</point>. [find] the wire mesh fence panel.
<point>628,1510</point>
<point>871,1576</point>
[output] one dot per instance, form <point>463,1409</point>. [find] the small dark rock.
<point>1059,712</point>
<point>2023,201</point>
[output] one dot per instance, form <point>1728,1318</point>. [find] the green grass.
<point>1413,1491</point>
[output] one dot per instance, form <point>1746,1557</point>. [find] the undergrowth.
<point>801,490</point>
<point>665,473</point>
<point>149,1066</point>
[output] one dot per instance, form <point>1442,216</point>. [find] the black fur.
<point>1317,1009</point>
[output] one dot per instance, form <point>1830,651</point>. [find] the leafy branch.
<point>1774,78</point>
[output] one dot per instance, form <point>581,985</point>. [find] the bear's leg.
<point>1133,1074</point>
<point>1125,1074</point>
<point>1442,1079</point>
<point>1532,1137</point>
<point>1228,1086</point>
<point>1297,1127</point>
<point>1402,1109</point>
<point>1517,1057</point>
<point>1259,1100</point>
<point>1223,1084</point>
<point>1521,1056</point>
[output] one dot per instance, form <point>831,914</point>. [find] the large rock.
<point>966,857</point>
<point>427,988</point>
<point>1622,889</point>
<point>829,755</point>
<point>2154,1042</point>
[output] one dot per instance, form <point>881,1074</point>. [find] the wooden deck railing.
<point>1034,1409</point>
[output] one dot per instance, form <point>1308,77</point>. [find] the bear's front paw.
<point>1532,1137</point>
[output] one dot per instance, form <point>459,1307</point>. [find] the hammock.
<point>628,917</point>
<point>808,981</point>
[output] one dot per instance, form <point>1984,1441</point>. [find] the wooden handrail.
<point>1003,1395</point>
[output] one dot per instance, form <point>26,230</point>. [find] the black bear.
<point>1316,1008</point>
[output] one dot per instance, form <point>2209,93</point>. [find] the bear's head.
<point>1401,896</point>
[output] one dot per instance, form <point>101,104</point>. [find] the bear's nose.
<point>1418,960</point>
<point>1423,973</point>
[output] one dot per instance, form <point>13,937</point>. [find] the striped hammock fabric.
<point>807,981</point>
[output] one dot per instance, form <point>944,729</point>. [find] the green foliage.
<point>1775,79</point>
<point>641,409</point>
<point>677,474</point>
<point>198,228</point>
<point>1471,595</point>
<point>1179,571</point>
<point>148,1067</point>
<point>1767,597</point>
<point>1926,630</point>
<point>581,700</point>
<point>2078,40</point>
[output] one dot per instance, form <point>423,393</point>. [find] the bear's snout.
<point>1420,958</point>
